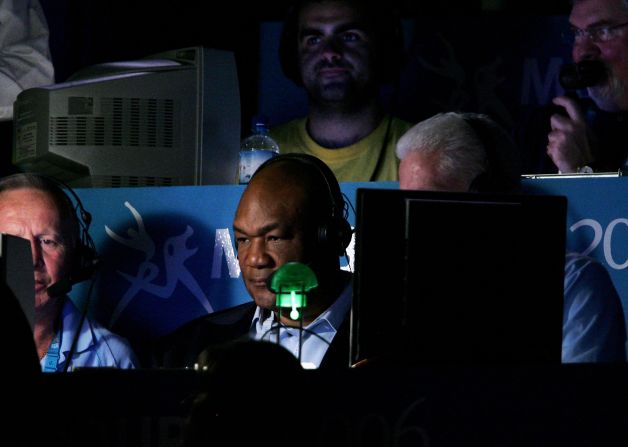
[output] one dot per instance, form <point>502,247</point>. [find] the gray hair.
<point>461,151</point>
<point>469,145</point>
<point>55,192</point>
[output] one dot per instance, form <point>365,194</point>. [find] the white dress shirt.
<point>315,337</point>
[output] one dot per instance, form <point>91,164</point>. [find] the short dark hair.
<point>382,15</point>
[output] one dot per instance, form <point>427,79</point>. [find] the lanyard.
<point>52,356</point>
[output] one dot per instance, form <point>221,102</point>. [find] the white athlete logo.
<point>175,253</point>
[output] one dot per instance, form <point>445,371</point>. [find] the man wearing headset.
<point>36,208</point>
<point>341,52</point>
<point>292,210</point>
<point>449,152</point>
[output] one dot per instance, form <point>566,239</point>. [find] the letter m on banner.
<point>224,247</point>
<point>538,89</point>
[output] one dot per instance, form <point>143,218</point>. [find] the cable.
<point>68,358</point>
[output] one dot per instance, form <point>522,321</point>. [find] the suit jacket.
<point>181,348</point>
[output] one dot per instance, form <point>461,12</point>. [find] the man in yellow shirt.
<point>341,52</point>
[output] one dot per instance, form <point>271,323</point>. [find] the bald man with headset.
<point>292,210</point>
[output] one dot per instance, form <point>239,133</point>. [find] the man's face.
<point>268,233</point>
<point>335,52</point>
<point>612,94</point>
<point>33,215</point>
<point>418,171</point>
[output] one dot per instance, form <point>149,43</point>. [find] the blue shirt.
<point>316,336</point>
<point>95,347</point>
<point>594,328</point>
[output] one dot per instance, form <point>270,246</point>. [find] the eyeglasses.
<point>596,34</point>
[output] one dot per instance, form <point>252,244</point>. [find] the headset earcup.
<point>344,236</point>
<point>335,235</point>
<point>85,260</point>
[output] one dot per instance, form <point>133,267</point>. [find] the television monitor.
<point>458,278</point>
<point>16,272</point>
<point>172,118</point>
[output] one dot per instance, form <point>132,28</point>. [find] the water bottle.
<point>256,149</point>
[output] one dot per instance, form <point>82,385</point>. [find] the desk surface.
<point>441,406</point>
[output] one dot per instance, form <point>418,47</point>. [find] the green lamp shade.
<point>291,282</point>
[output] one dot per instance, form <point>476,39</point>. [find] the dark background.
<point>86,32</point>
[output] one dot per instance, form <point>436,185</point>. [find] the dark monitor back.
<point>458,278</point>
<point>16,272</point>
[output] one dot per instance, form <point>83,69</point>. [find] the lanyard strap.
<point>52,356</point>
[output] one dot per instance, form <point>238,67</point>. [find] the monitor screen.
<point>458,278</point>
<point>168,119</point>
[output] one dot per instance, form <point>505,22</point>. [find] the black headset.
<point>389,34</point>
<point>85,254</point>
<point>85,259</point>
<point>334,231</point>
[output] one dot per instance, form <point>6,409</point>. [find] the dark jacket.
<point>181,348</point>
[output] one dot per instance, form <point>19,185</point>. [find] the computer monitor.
<point>172,118</point>
<point>16,272</point>
<point>458,278</point>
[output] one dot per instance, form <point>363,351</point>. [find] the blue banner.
<point>597,220</point>
<point>168,252</point>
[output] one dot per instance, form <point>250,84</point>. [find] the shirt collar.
<point>334,315</point>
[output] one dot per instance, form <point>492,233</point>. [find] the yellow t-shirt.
<point>355,163</point>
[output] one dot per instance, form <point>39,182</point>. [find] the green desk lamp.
<point>291,282</point>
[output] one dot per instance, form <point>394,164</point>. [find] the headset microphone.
<point>59,288</point>
<point>64,286</point>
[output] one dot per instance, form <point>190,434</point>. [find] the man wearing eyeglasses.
<point>595,141</point>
